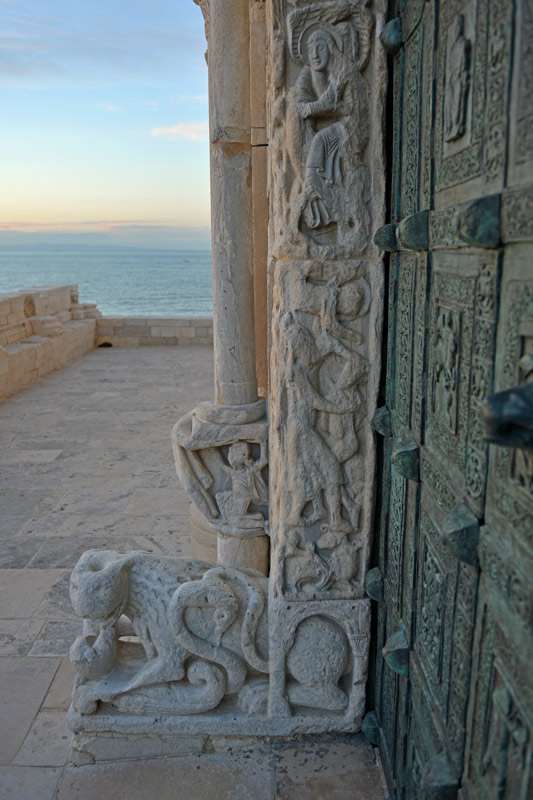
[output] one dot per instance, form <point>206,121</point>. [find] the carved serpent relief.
<point>203,631</point>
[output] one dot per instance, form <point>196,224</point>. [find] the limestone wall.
<point>42,329</point>
<point>135,331</point>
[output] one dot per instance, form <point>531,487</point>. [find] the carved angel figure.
<point>320,93</point>
<point>247,487</point>
<point>327,130</point>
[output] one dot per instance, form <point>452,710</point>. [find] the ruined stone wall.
<point>41,330</point>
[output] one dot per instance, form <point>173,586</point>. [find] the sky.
<point>104,134</point>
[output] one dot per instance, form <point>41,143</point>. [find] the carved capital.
<point>222,460</point>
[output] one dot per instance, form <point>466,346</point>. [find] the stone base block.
<point>92,748</point>
<point>105,736</point>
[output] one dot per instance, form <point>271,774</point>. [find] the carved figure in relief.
<point>445,369</point>
<point>322,376</point>
<point>303,565</point>
<point>318,93</point>
<point>315,567</point>
<point>343,560</point>
<point>203,634</point>
<point>327,125</point>
<point>457,82</point>
<point>247,486</point>
<point>219,466</point>
<point>323,471</point>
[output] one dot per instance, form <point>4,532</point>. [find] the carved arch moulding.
<point>174,646</point>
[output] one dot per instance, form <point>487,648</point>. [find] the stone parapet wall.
<point>41,330</point>
<point>139,331</point>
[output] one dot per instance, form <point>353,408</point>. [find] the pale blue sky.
<point>104,122</point>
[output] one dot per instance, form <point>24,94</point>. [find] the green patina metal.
<point>453,571</point>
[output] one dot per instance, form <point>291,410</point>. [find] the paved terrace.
<point>86,462</point>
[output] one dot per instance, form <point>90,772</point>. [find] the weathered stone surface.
<point>221,656</point>
<point>40,331</point>
<point>24,683</point>
<point>28,783</point>
<point>225,607</point>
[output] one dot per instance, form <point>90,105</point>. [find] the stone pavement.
<point>86,462</point>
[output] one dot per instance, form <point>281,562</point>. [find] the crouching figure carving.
<point>202,630</point>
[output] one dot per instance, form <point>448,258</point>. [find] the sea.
<point>121,281</point>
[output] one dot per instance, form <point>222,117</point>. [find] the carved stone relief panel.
<point>193,636</point>
<point>321,129</point>
<point>320,663</point>
<point>510,496</point>
<point>324,387</point>
<point>460,356</point>
<point>474,48</point>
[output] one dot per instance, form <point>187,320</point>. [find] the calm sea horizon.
<point>122,281</point>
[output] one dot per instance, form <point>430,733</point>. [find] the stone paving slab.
<point>87,463</point>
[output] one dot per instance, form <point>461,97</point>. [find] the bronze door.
<point>453,695</point>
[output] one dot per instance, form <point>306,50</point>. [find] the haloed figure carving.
<point>318,92</point>
<point>327,131</point>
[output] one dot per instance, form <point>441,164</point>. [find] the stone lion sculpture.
<point>164,634</point>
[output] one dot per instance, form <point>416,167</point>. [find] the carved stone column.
<point>221,447</point>
<point>224,650</point>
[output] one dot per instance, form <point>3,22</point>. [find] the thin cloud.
<point>97,44</point>
<point>191,99</point>
<point>188,131</point>
<point>112,109</point>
